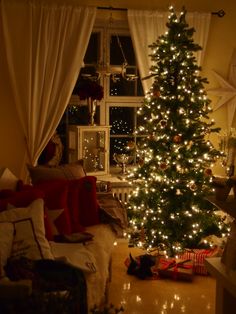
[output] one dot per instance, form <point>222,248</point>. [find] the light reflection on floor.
<point>158,296</point>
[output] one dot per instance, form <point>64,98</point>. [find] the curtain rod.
<point>219,13</point>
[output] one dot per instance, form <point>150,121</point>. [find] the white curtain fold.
<point>145,28</point>
<point>45,46</point>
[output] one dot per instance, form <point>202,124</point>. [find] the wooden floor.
<point>162,296</point>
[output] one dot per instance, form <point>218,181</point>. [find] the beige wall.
<point>12,146</point>
<point>222,41</point>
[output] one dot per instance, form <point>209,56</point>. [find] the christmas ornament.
<point>156,94</point>
<point>151,137</point>
<point>163,166</point>
<point>131,145</point>
<point>141,162</point>
<point>163,123</point>
<point>190,144</point>
<point>193,186</point>
<point>177,138</point>
<point>208,172</point>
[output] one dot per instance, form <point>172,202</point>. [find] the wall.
<point>221,44</point>
<point>12,153</point>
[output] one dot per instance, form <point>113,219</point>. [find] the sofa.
<point>59,214</point>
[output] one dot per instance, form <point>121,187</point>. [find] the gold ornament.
<point>163,166</point>
<point>163,123</point>
<point>193,187</point>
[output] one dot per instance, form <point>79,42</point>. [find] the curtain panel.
<point>45,45</point>
<point>145,28</point>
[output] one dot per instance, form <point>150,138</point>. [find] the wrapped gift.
<point>175,269</point>
<point>198,257</point>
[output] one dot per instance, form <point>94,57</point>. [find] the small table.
<point>225,286</point>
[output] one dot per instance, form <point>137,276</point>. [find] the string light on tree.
<point>168,209</point>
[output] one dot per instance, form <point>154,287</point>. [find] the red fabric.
<point>21,198</point>
<point>22,186</point>
<point>25,195</point>
<point>88,205</point>
<point>56,195</point>
<point>6,193</point>
<point>73,204</point>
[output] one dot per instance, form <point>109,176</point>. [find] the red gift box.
<point>175,269</point>
<point>198,257</point>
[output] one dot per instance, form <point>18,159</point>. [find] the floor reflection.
<point>163,296</point>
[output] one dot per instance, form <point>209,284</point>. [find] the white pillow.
<point>6,240</point>
<point>75,254</point>
<point>7,179</point>
<point>29,238</point>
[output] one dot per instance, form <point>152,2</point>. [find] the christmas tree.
<point>168,208</point>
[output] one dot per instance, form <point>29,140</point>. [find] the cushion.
<point>23,198</point>
<point>68,171</point>
<point>55,197</point>
<point>73,205</point>
<point>29,231</point>
<point>6,240</point>
<point>88,205</point>
<point>7,179</point>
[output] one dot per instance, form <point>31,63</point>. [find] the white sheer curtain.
<point>146,26</point>
<point>45,46</point>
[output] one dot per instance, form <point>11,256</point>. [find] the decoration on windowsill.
<point>123,160</point>
<point>92,92</point>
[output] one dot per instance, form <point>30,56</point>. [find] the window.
<point>110,59</point>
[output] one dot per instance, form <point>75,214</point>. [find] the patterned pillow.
<point>29,231</point>
<point>67,171</point>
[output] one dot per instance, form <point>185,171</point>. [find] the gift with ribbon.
<point>175,269</point>
<point>198,257</point>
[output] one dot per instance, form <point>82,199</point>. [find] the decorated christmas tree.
<point>168,209</point>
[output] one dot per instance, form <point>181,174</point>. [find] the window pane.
<point>119,45</point>
<point>79,115</point>
<point>128,83</point>
<point>92,52</point>
<point>123,87</point>
<point>122,120</point>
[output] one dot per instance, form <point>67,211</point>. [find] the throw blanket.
<point>112,212</point>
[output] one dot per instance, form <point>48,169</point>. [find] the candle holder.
<point>123,160</point>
